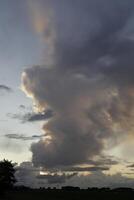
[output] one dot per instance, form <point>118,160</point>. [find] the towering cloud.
<point>88,83</point>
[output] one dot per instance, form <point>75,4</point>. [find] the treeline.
<point>70,193</point>
<point>75,189</point>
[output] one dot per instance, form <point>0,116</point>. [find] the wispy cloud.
<point>86,169</point>
<point>32,116</point>
<point>5,88</point>
<point>23,136</point>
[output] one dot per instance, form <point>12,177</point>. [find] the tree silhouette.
<point>7,178</point>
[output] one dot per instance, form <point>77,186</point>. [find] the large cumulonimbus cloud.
<point>89,84</point>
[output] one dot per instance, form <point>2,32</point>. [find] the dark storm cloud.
<point>89,85</point>
<point>5,88</point>
<point>70,127</point>
<point>95,28</point>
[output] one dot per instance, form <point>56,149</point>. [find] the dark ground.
<point>69,194</point>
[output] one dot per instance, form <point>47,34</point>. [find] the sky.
<point>67,91</point>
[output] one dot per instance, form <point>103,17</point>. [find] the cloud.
<point>5,88</point>
<point>29,175</point>
<point>131,166</point>
<point>26,174</point>
<point>32,116</point>
<point>38,116</point>
<point>56,178</point>
<point>22,136</point>
<point>86,169</point>
<point>89,85</point>
<point>99,179</point>
<point>22,106</point>
<point>71,125</point>
<point>104,160</point>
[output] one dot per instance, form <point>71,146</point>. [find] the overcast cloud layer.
<point>28,175</point>
<point>87,80</point>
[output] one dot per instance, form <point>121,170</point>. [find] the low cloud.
<point>29,175</point>
<point>99,179</point>
<point>86,169</point>
<point>56,178</point>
